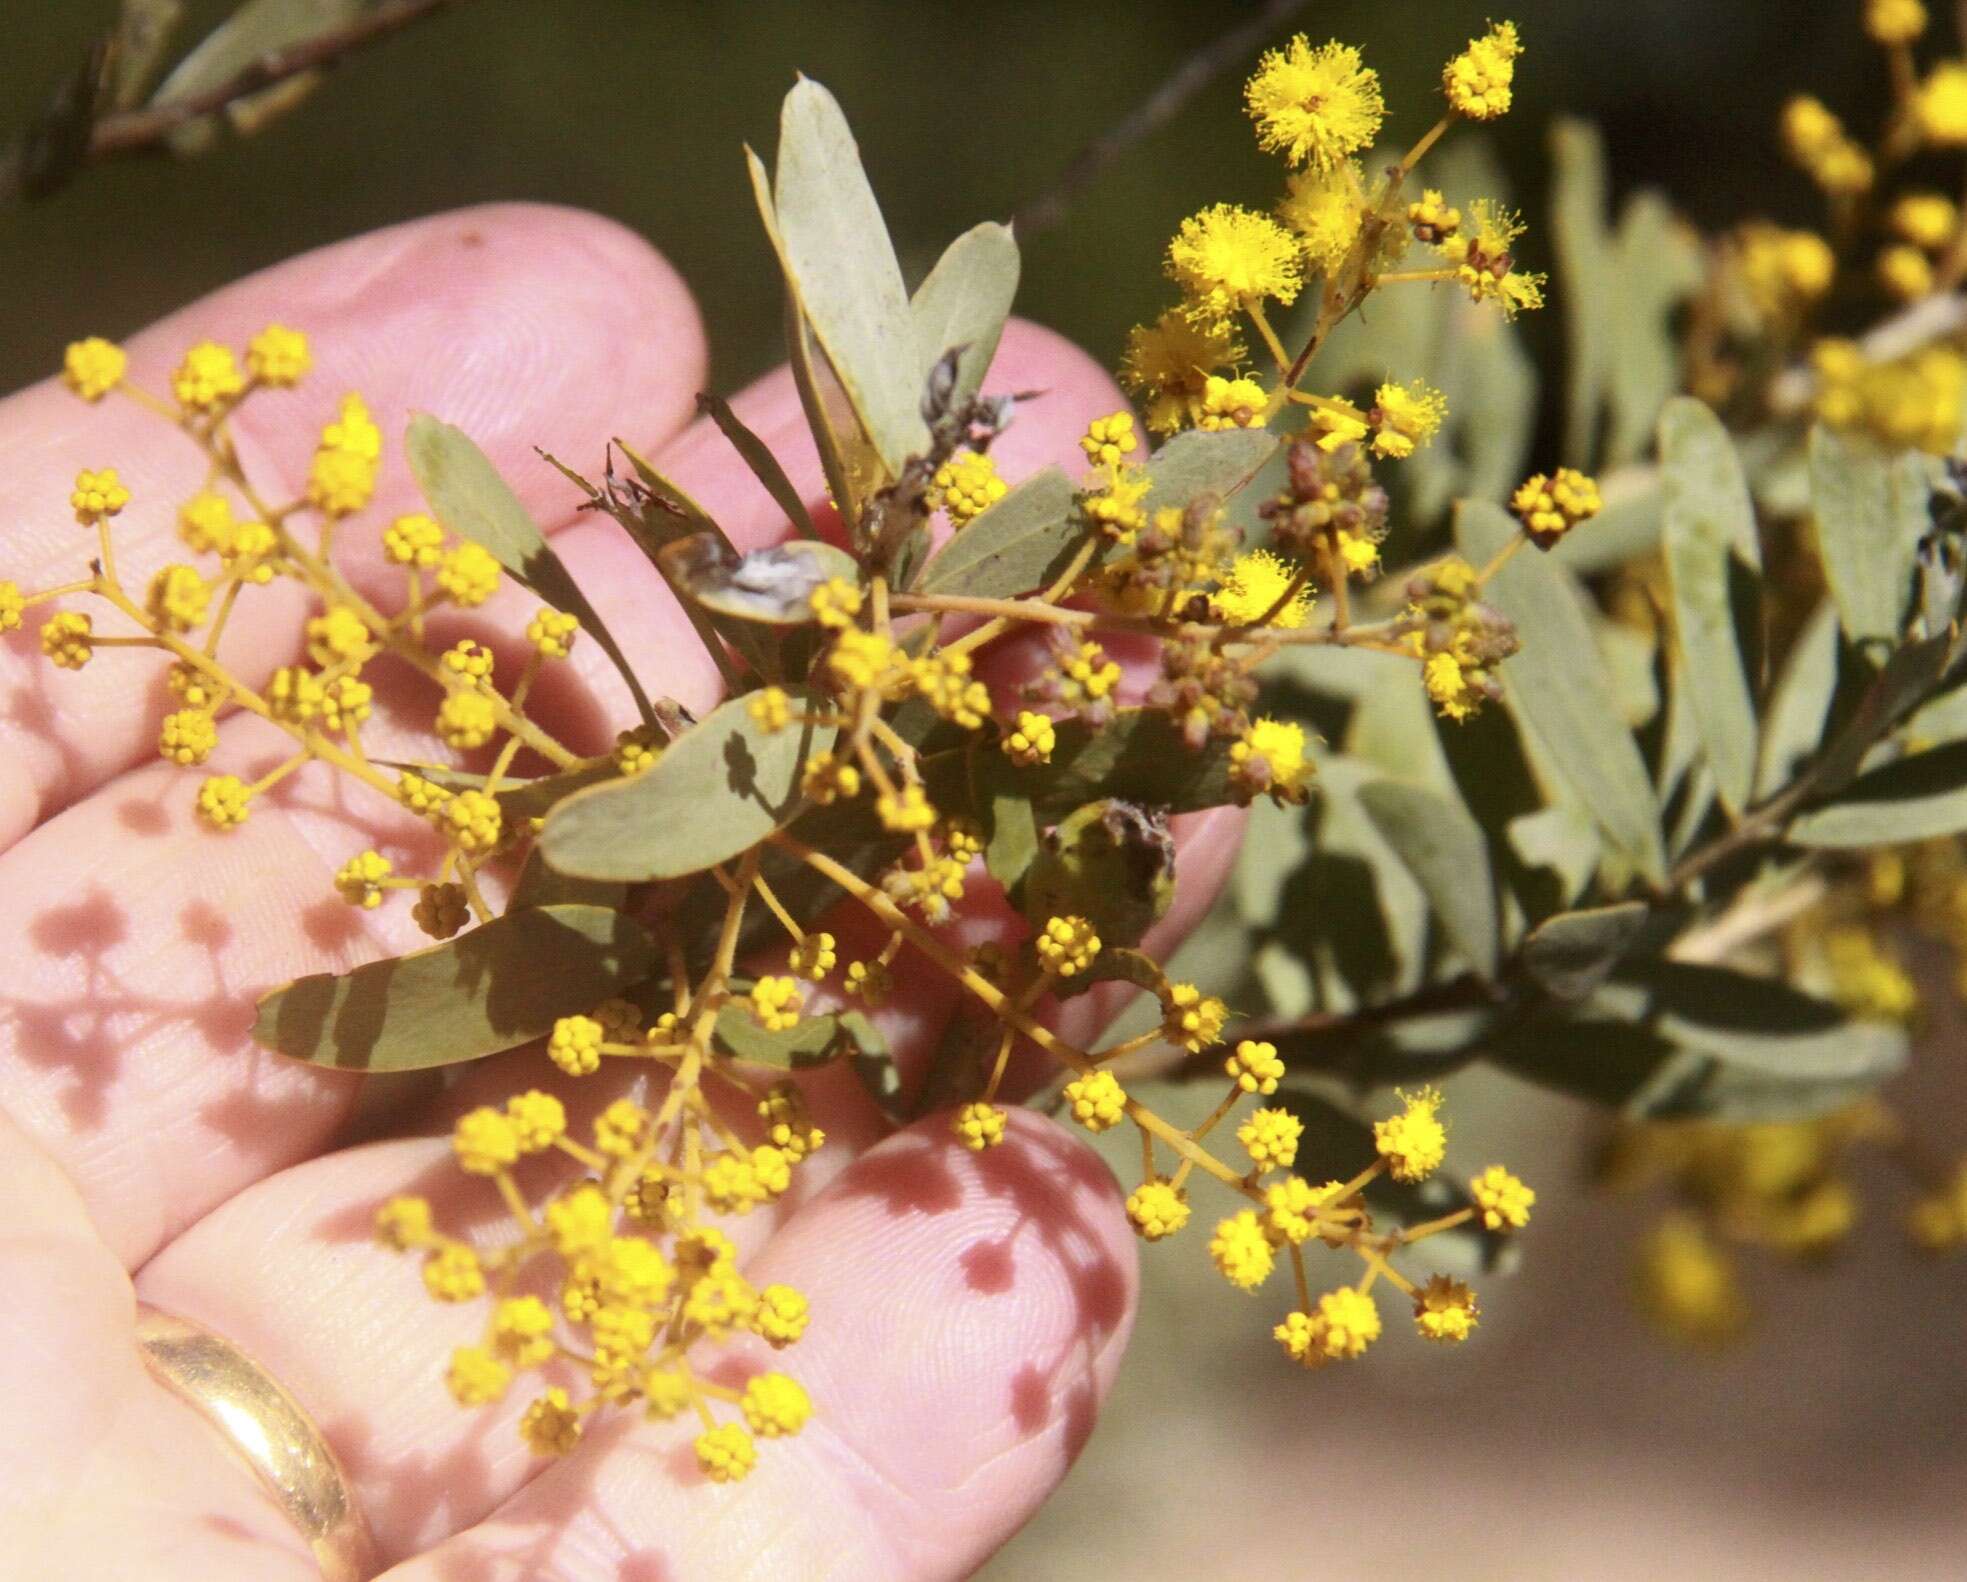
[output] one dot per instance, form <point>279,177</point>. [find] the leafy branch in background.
<point>258,64</point>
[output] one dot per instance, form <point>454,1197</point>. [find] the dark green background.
<point>637,108</point>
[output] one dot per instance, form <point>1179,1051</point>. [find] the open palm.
<point>969,1310</point>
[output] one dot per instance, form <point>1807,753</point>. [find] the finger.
<point>102,1472</point>
<point>506,320</point>
<point>969,1312</point>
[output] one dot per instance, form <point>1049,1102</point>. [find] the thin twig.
<point>128,132</point>
<point>1194,74</point>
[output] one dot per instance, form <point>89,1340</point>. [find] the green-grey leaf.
<point>1010,825</point>
<point>1584,260</point>
<point>717,790</point>
<point>964,303</point>
<point>143,34</point>
<point>1443,848</point>
<point>1689,1042</point>
<point>1626,529</point>
<point>843,266</point>
<point>256,28</point>
<point>1794,726</point>
<point>1571,954</point>
<point>540,884</point>
<point>1558,683</point>
<point>1022,542</point>
<point>1919,797</point>
<point>1658,262</point>
<point>469,497</point>
<point>1870,516</point>
<point>1200,462</point>
<point>498,986</point>
<point>757,455</point>
<point>1710,545</point>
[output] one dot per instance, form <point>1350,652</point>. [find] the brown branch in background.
<point>1194,74</point>
<point>126,132</point>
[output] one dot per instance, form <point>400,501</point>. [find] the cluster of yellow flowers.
<point>1907,237</point>
<point>642,1275</point>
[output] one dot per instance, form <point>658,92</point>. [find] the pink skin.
<point>969,1311</point>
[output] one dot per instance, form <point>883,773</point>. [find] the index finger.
<point>507,320</point>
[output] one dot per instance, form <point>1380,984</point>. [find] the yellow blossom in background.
<point>1905,273</point>
<point>551,1426</point>
<point>1895,21</point>
<point>1688,1285</point>
<point>1477,81</point>
<point>1939,106</point>
<point>1227,256</point>
<point>1314,106</point>
<point>1168,364</point>
<point>476,1377</point>
<point>1325,209</point>
<point>468,575</point>
<point>1926,219</point>
<point>814,956</point>
<point>360,879</point>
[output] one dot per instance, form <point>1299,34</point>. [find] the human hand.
<point>969,1310</point>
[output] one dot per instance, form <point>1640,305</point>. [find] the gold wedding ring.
<point>268,1430</point>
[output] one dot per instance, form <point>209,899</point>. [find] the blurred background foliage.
<point>1565,1443</point>
<point>637,108</point>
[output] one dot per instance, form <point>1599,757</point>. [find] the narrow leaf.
<point>256,28</point>
<point>1584,259</point>
<point>469,497</point>
<point>1571,954</point>
<point>498,986</point>
<point>843,267</point>
<point>717,790</point>
<point>964,303</point>
<point>1711,548</point>
<point>758,457</point>
<point>1800,703</point>
<point>1919,797</point>
<point>1870,517</point>
<point>1444,849</point>
<point>1558,683</point>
